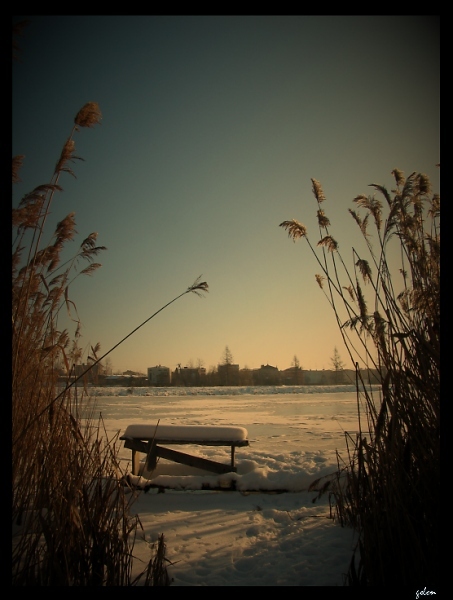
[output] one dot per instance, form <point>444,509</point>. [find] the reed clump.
<point>388,488</point>
<point>71,513</point>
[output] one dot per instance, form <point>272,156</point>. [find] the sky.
<point>251,536</point>
<point>212,129</point>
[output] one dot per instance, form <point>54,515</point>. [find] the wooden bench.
<point>148,439</point>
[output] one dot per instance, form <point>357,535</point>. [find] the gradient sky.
<point>212,129</point>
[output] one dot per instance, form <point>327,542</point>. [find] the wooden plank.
<point>193,461</point>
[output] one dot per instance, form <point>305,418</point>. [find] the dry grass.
<point>71,513</point>
<point>389,490</point>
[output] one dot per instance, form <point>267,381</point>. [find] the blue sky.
<point>212,129</point>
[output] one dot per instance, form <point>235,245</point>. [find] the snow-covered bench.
<point>147,439</point>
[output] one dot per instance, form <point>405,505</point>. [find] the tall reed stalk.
<point>389,487</point>
<point>71,513</point>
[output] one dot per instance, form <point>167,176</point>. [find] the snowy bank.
<point>225,390</point>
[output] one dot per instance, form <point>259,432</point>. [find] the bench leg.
<point>233,468</point>
<point>135,463</point>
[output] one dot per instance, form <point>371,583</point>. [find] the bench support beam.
<point>152,451</point>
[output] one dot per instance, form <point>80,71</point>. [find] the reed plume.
<point>71,514</point>
<point>388,489</point>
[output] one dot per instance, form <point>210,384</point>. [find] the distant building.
<point>159,376</point>
<point>228,374</point>
<point>135,379</point>
<point>292,376</point>
<point>245,376</point>
<point>266,375</point>
<point>315,377</point>
<point>90,373</point>
<point>189,376</point>
<point>117,380</point>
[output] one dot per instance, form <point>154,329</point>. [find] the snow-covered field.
<point>262,390</point>
<point>255,535</point>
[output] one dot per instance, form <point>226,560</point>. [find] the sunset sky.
<point>212,129</point>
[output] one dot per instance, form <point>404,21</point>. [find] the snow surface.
<point>254,536</point>
<point>202,433</point>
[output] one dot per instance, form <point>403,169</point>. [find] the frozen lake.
<point>280,422</point>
